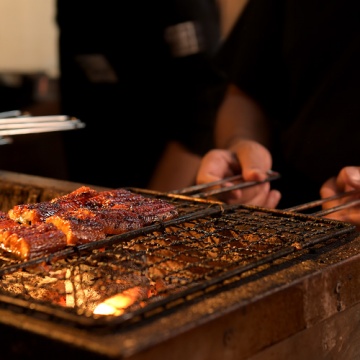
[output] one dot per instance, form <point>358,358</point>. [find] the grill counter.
<point>239,279</point>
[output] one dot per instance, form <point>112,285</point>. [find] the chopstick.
<point>194,190</point>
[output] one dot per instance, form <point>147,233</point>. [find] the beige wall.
<point>28,36</point>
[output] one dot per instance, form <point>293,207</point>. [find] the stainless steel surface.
<point>32,120</point>
<point>11,113</point>
<point>5,140</point>
<point>19,125</point>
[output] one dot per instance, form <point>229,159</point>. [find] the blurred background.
<point>29,58</point>
<point>28,36</point>
<point>29,73</point>
<point>30,82</point>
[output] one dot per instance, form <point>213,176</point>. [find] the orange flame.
<point>117,304</point>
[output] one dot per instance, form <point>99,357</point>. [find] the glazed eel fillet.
<point>149,210</point>
<point>30,214</point>
<point>82,216</point>
<point>84,225</point>
<point>30,241</point>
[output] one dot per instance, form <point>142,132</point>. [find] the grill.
<point>94,295</point>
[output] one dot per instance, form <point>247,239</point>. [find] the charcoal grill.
<point>214,269</point>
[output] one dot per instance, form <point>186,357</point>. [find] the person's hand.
<point>249,158</point>
<point>348,179</point>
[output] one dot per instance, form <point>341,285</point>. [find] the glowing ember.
<point>117,304</point>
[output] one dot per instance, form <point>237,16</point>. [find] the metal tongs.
<point>317,203</point>
<point>15,122</point>
<point>238,180</point>
<point>197,191</point>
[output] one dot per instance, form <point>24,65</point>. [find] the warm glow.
<point>117,304</point>
<point>106,309</point>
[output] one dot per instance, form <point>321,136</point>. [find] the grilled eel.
<point>82,216</point>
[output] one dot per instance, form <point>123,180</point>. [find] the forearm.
<point>239,117</point>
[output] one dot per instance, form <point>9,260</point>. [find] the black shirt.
<point>118,75</point>
<point>300,60</point>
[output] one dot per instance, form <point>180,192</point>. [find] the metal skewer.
<point>195,188</point>
<point>319,202</point>
<point>241,185</point>
<point>337,208</point>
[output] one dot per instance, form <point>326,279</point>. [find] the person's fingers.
<point>351,215</point>
<point>254,195</point>
<point>248,158</point>
<point>328,188</point>
<point>216,165</point>
<point>348,178</point>
<point>255,160</point>
<point>273,199</point>
<point>259,195</point>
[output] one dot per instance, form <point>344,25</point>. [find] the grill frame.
<point>190,211</point>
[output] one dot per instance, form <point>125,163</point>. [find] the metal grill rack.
<point>164,265</point>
